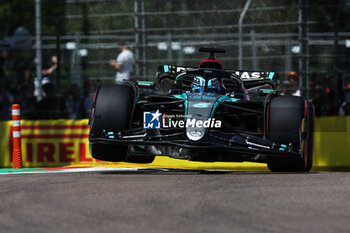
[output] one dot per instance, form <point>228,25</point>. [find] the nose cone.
<point>199,111</point>
<point>195,134</point>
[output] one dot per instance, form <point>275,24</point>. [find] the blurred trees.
<point>16,13</point>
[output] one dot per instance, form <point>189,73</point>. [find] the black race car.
<point>203,114</point>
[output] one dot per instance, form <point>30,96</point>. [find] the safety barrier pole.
<point>16,126</point>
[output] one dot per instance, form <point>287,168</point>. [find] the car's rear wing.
<point>250,78</point>
<point>257,78</point>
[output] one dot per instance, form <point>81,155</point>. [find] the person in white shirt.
<point>293,78</point>
<point>291,86</point>
<point>123,64</point>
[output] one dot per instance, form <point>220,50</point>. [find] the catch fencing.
<point>310,37</point>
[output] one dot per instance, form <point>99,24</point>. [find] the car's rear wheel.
<point>311,128</point>
<point>290,120</point>
<point>112,111</point>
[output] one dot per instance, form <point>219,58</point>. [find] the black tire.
<point>290,120</point>
<point>311,128</point>
<point>112,111</point>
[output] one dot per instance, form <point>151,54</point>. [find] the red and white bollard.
<point>16,126</point>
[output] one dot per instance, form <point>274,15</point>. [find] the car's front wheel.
<point>290,120</point>
<point>112,111</point>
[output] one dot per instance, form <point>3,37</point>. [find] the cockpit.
<point>213,82</point>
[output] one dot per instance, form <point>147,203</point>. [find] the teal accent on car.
<point>282,145</point>
<point>230,100</point>
<point>201,105</point>
<point>166,68</point>
<point>213,110</point>
<point>186,108</point>
<point>271,74</point>
<point>183,96</point>
<point>282,149</point>
<point>137,99</point>
<point>141,146</point>
<point>110,134</point>
<point>223,98</point>
<point>267,90</point>
<point>204,97</point>
<point>145,82</point>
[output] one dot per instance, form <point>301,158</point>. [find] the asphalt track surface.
<point>175,201</point>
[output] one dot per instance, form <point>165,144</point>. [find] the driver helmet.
<point>214,85</point>
<point>198,84</point>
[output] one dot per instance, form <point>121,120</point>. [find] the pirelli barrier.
<point>51,143</point>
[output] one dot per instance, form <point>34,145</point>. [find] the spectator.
<point>25,95</point>
<point>6,97</point>
<point>286,88</point>
<point>51,106</point>
<point>345,106</point>
<point>332,103</point>
<point>21,66</point>
<point>78,105</point>
<point>318,94</point>
<point>49,65</point>
<point>123,64</point>
<point>6,100</point>
<point>291,85</point>
<point>294,83</point>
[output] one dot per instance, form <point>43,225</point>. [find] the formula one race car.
<point>203,114</point>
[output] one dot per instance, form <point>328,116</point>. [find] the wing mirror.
<point>263,92</point>
<point>145,84</point>
<point>166,82</point>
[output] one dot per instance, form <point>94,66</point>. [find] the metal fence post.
<point>77,70</point>
<point>169,50</point>
<point>254,50</point>
<point>240,34</point>
<point>137,37</point>
<point>304,49</point>
<point>38,47</point>
<point>338,88</point>
<point>144,41</point>
<point>288,51</point>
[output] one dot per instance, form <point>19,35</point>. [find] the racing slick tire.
<point>290,120</point>
<point>112,110</point>
<point>310,145</point>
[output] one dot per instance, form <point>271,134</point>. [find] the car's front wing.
<point>236,142</point>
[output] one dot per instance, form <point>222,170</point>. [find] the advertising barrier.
<point>48,143</point>
<point>51,143</point>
